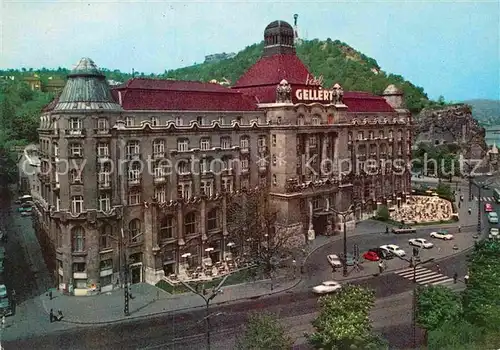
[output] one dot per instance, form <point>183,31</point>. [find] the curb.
<point>176,311</point>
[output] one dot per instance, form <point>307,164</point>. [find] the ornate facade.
<point>144,173</point>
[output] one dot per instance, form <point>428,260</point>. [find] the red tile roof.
<point>270,70</point>
<point>365,102</point>
<point>150,94</point>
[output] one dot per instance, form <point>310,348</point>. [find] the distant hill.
<point>487,112</point>
<point>335,60</point>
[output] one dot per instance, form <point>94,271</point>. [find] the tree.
<point>383,213</point>
<point>444,190</point>
<point>455,335</point>
<point>264,332</point>
<point>482,296</point>
<point>344,323</point>
<point>253,225</point>
<point>437,305</point>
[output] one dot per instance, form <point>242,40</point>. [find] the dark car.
<point>382,253</point>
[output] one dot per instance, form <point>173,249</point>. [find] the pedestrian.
<point>470,211</point>
<point>387,229</point>
<point>459,228</point>
<point>59,315</point>
<point>381,266</point>
<point>459,205</point>
<point>13,295</point>
<point>51,315</point>
<point>455,277</point>
<point>438,268</point>
<point>50,294</point>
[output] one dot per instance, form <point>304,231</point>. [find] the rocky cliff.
<point>451,124</point>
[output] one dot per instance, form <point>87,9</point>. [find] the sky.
<point>450,48</point>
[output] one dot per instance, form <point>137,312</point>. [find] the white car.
<point>3,291</point>
<point>327,287</point>
<point>334,260</point>
<point>442,235</point>
<point>420,242</point>
<point>394,249</point>
<point>494,233</point>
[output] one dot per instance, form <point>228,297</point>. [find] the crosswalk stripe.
<point>418,274</point>
<point>443,281</point>
<point>430,279</point>
<point>410,269</point>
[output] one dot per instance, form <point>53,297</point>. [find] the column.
<point>180,237</point>
<point>93,258</point>
<point>306,157</point>
<point>67,260</point>
<point>203,221</point>
<point>224,227</point>
<point>324,151</point>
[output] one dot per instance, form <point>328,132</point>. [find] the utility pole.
<point>344,214</point>
<point>207,300</point>
<point>126,296</point>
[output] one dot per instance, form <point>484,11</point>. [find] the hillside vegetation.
<point>336,61</point>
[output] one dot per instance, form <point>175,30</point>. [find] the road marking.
<point>424,276</point>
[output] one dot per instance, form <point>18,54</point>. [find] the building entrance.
<point>136,274</point>
<point>319,224</point>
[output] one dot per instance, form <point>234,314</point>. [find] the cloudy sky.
<point>450,48</point>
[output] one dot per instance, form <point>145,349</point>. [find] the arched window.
<point>78,238</point>
<point>300,120</point>
<point>349,136</point>
<point>105,234</point>
<point>134,231</point>
<point>190,223</point>
<point>381,134</point>
<point>167,227</point>
<point>212,219</point>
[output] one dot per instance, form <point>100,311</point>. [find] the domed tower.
<point>279,39</point>
<point>86,88</point>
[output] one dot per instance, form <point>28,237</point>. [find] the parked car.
<point>382,253</point>
<point>442,234</point>
<point>420,242</point>
<point>5,308</point>
<point>488,208</point>
<point>327,287</point>
<point>493,218</point>
<point>371,256</point>
<point>494,233</point>
<point>25,207</point>
<point>334,260</point>
<point>396,250</point>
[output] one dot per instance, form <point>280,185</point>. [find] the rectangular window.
<point>274,140</point>
<point>158,147</point>
<point>155,121</point>
<point>225,142</point>
<point>160,194</point>
<point>77,204</point>
<point>76,150</point>
<point>102,125</point>
<point>134,197</point>
<point>167,228</point>
<point>244,164</point>
<point>102,149</point>
<point>182,145</point>
<point>227,184</point>
<point>206,187</point>
<point>75,126</point>
<point>313,141</point>
<point>129,121</point>
<point>262,141</point>
<point>201,120</point>
<point>360,135</point>
<point>184,190</point>
<point>244,143</point>
<point>105,202</point>
<point>204,166</point>
<point>205,144</point>
<point>133,148</point>
<point>159,171</point>
<point>178,121</point>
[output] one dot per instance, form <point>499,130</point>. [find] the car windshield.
<point>493,215</point>
<point>443,232</point>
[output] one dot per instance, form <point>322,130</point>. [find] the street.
<point>186,330</point>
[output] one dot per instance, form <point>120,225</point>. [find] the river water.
<point>492,137</point>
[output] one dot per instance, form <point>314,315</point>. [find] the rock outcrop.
<point>451,124</point>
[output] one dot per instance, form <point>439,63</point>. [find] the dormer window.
<point>178,121</point>
<point>155,121</point>
<point>315,121</point>
<point>370,135</point>
<point>201,120</point>
<point>102,125</point>
<point>361,136</point>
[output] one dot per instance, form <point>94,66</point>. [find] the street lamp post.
<point>479,186</point>
<point>415,264</point>
<point>344,214</point>
<point>207,301</point>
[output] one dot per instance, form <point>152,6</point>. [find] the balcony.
<point>134,181</point>
<point>80,275</point>
<point>262,168</point>
<point>262,149</point>
<point>75,133</point>
<point>159,179</point>
<point>104,185</point>
<point>103,157</point>
<point>158,155</point>
<point>106,272</point>
<point>102,132</point>
<point>131,156</point>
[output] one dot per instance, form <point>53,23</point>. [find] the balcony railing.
<point>106,184</point>
<point>158,155</point>
<point>134,181</point>
<point>159,179</point>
